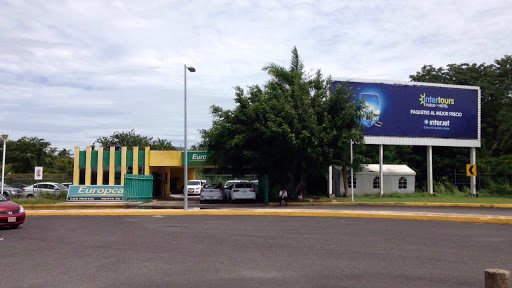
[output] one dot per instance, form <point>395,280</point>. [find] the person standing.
<point>283,195</point>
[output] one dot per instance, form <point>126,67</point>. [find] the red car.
<point>11,214</point>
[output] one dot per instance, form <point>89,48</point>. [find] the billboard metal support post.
<point>430,176</point>
<point>472,160</point>
<point>381,169</point>
<point>351,171</point>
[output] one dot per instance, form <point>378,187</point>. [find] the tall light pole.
<point>4,137</point>
<point>185,179</point>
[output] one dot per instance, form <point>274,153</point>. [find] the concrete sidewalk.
<point>319,209</point>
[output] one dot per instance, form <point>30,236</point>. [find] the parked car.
<point>194,186</point>
<point>212,191</point>
<point>67,184</point>
<point>18,185</point>
<point>11,214</point>
<point>10,191</point>
<point>227,188</point>
<point>50,188</point>
<point>242,191</point>
<point>255,183</point>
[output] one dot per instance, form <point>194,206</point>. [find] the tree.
<point>125,139</point>
<point>291,129</point>
<point>495,81</point>
<point>28,152</point>
<point>131,139</point>
<point>161,144</point>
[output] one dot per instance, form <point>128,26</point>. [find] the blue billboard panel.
<point>416,110</point>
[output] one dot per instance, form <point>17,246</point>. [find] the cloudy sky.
<point>72,71</point>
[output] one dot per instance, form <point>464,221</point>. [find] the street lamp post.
<point>4,137</point>
<point>185,179</point>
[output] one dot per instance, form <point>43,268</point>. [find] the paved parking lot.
<point>249,251</point>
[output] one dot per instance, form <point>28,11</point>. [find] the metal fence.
<point>138,188</point>
<point>483,180</point>
<point>30,180</point>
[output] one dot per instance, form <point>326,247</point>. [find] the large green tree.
<point>131,139</point>
<point>495,82</point>
<point>24,154</point>
<point>291,129</point>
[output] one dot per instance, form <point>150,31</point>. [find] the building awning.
<point>387,169</point>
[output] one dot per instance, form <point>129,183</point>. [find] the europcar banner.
<point>416,110</point>
<point>95,192</point>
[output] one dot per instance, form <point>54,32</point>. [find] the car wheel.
<point>6,195</point>
<point>30,196</point>
<point>15,226</point>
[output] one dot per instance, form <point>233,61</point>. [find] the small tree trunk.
<point>345,181</point>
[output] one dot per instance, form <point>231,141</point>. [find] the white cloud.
<point>72,71</point>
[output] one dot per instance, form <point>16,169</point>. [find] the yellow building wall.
<point>88,165</point>
<point>76,168</point>
<point>167,163</point>
<point>164,158</point>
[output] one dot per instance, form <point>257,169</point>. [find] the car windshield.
<point>212,186</point>
<point>62,187</point>
<point>229,183</point>
<point>194,183</point>
<point>243,185</point>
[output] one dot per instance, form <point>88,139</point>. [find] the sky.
<point>73,71</point>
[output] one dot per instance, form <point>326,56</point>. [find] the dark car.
<point>11,214</point>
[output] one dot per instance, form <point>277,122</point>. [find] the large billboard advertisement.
<point>418,110</point>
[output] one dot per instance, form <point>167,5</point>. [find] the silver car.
<point>10,191</point>
<point>49,188</point>
<point>211,192</point>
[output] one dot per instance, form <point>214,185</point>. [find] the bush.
<point>446,188</point>
<point>500,188</point>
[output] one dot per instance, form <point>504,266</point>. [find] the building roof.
<point>387,169</point>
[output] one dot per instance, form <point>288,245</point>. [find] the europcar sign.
<point>95,192</point>
<point>420,111</point>
<point>195,158</point>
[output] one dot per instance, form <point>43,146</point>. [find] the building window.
<point>350,182</point>
<point>402,183</point>
<point>376,182</point>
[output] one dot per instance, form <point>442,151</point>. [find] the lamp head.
<point>4,136</point>
<point>191,69</point>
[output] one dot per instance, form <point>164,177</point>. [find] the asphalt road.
<point>194,202</point>
<point>249,251</point>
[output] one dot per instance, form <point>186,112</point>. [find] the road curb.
<point>357,214</point>
<point>128,205</point>
<point>429,204</point>
<point>66,206</point>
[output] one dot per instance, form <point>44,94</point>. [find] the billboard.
<point>95,193</point>
<point>423,113</point>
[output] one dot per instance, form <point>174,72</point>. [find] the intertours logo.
<point>429,101</point>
